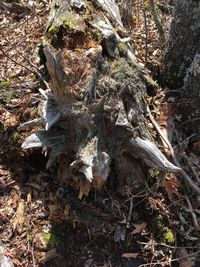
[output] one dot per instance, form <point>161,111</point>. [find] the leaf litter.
<point>90,227</point>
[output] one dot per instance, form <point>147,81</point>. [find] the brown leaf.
<point>171,186</point>
<point>97,182</point>
<point>84,189</point>
<point>10,119</point>
<point>15,199</point>
<point>17,262</point>
<point>49,255</point>
<point>29,198</point>
<point>197,143</point>
<point>130,255</point>
<point>19,217</point>
<point>184,261</point>
<point>56,215</point>
<point>138,228</point>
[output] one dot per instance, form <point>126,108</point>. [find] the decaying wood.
<point>95,113</point>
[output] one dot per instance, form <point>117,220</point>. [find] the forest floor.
<point>43,222</point>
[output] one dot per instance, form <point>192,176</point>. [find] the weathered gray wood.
<point>96,110</point>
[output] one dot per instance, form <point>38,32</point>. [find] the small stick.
<point>157,21</point>
<point>195,222</point>
<point>130,213</point>
<point>32,253</point>
<point>146,35</point>
<point>27,68</point>
<point>185,175</point>
<point>192,168</point>
<point>172,260</point>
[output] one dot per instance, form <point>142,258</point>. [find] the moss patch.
<point>163,232</point>
<point>50,239</point>
<point>120,69</point>
<point>122,49</point>
<point>5,83</point>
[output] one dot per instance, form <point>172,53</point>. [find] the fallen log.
<point>95,113</point>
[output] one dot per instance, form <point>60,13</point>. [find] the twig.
<point>157,21</point>
<point>172,260</point>
<point>146,35</point>
<point>168,246</point>
<point>195,222</point>
<point>35,72</point>
<point>187,178</point>
<point>32,253</point>
<point>20,54</point>
<point>192,168</point>
<point>130,213</point>
<point>29,124</point>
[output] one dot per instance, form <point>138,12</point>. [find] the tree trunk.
<point>181,65</point>
<point>94,112</point>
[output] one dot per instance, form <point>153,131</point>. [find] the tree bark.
<point>182,61</point>
<point>94,112</point>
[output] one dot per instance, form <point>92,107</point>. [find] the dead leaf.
<point>19,217</point>
<point>17,262</point>
<point>130,255</point>
<point>171,186</point>
<point>150,246</point>
<point>197,143</point>
<point>15,199</point>
<point>183,254</point>
<point>186,263</point>
<point>39,241</point>
<point>85,187</point>
<point>10,119</point>
<point>138,228</point>
<point>97,182</point>
<point>29,198</point>
<point>49,255</point>
<point>56,215</point>
<point>157,204</point>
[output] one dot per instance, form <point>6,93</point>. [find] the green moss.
<point>97,34</point>
<point>73,22</point>
<point>16,137</point>
<point>47,40</point>
<point>122,48</point>
<point>5,83</point>
<point>68,20</point>
<point>168,236</point>
<point>147,6</point>
<point>50,239</point>
<point>150,82</point>
<point>30,238</point>
<point>6,96</point>
<point>53,29</point>
<point>120,69</point>
<point>163,232</point>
